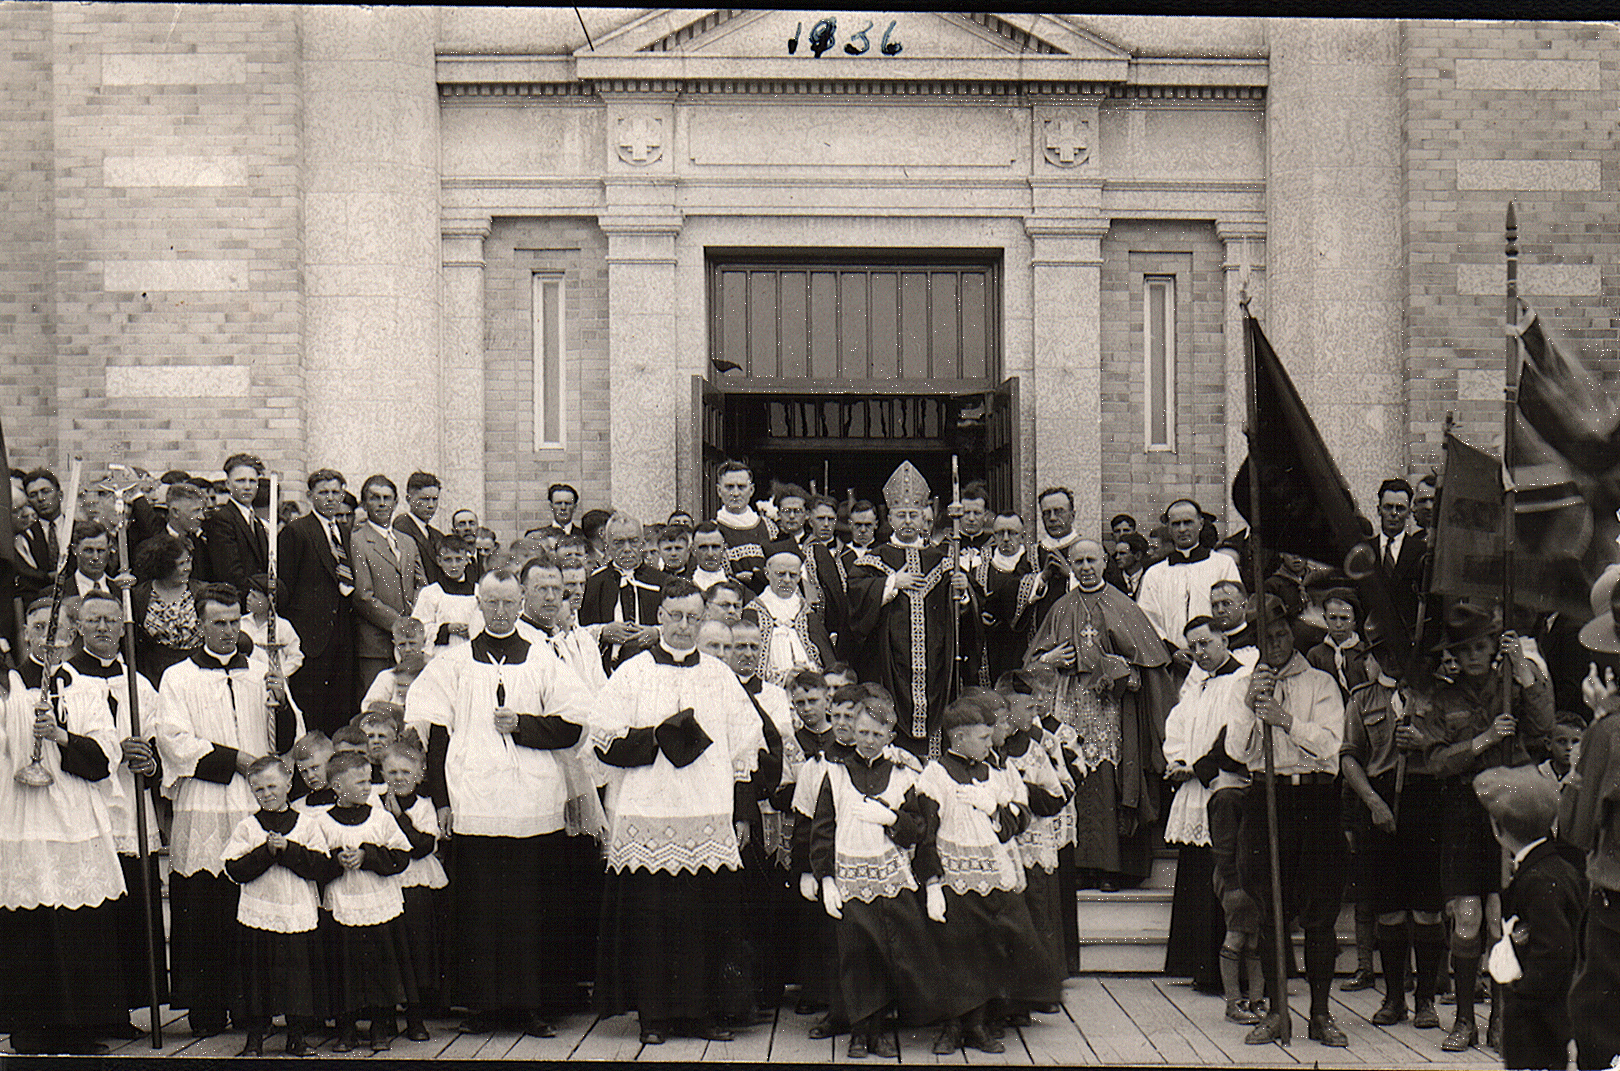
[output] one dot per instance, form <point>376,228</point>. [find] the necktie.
<point>1389,554</point>
<point>339,553</point>
<point>54,546</point>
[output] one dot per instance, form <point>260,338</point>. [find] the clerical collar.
<point>1006,563</point>
<point>508,648</point>
<point>1179,557</point>
<point>1101,583</point>
<point>464,586</point>
<point>93,665</point>
<point>969,765</point>
<point>207,659</point>
<point>1231,665</point>
<point>664,655</point>
<point>1523,853</point>
<point>746,519</point>
<point>549,630</point>
<point>894,540</point>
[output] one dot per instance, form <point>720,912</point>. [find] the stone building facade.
<point>512,246</point>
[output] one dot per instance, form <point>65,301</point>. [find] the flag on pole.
<point>1553,529</point>
<point>1305,504</point>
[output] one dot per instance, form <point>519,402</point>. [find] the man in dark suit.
<point>422,502</point>
<point>624,595</point>
<point>1400,554</point>
<point>238,543</point>
<point>563,500</point>
<point>387,576</point>
<point>39,545</point>
<point>317,581</point>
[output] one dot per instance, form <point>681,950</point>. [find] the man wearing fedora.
<point>1475,734</point>
<point>1300,706</point>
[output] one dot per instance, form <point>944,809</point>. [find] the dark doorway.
<point>836,444</point>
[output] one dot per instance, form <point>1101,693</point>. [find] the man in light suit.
<point>387,575</point>
<point>422,502</point>
<point>317,582</point>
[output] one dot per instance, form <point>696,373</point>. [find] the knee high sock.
<point>1321,949</point>
<point>1429,948</point>
<point>1257,977</point>
<point>1393,947</point>
<point>1464,973</point>
<point>1231,974</point>
<point>1366,935</point>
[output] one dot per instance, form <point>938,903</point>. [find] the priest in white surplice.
<point>504,720</point>
<point>213,721</point>
<point>681,740</point>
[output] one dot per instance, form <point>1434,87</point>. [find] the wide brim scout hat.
<point>1599,633</point>
<point>1465,622</point>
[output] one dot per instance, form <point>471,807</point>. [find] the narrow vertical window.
<point>1159,361</point>
<point>549,350</point>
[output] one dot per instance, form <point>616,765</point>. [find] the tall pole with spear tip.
<point>144,893</point>
<point>1279,1008</point>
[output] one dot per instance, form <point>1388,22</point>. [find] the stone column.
<point>462,359</point>
<point>371,241</point>
<point>1244,266</point>
<point>1334,203</point>
<point>1067,263</point>
<point>644,384</point>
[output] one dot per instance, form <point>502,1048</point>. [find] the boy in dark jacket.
<point>1542,906</point>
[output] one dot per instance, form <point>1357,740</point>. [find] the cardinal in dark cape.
<point>1114,689</point>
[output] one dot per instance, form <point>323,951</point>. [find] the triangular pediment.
<point>724,33</point>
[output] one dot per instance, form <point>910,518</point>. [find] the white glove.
<point>831,898</point>
<point>935,897</point>
<point>807,886</point>
<point>869,809</point>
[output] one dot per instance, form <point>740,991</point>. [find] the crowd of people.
<point>864,755</point>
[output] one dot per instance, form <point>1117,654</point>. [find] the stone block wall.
<point>179,308</point>
<point>1496,112</point>
<point>27,236</point>
<point>1135,480</point>
<point>516,474</point>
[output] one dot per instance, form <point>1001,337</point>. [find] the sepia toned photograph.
<point>795,536</point>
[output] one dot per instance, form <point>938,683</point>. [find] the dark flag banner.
<point>1468,525</point>
<point>1566,476</point>
<point>1305,505</point>
<point>8,545</point>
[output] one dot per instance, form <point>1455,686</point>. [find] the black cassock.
<point>905,644</point>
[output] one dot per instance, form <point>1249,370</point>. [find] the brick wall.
<point>516,474</point>
<point>178,233</point>
<point>1499,111</point>
<point>1134,480</point>
<point>27,265</point>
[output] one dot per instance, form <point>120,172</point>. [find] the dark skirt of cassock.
<point>510,941</point>
<point>57,972</point>
<point>818,959</point>
<point>280,974</point>
<point>370,967</point>
<point>423,932</point>
<point>132,938</point>
<point>1099,844</point>
<point>1197,923</point>
<point>202,942</point>
<point>768,921</point>
<point>989,950</point>
<point>1068,879</point>
<point>1043,895</point>
<point>671,948</point>
<point>886,956</point>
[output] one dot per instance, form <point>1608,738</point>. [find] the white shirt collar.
<point>1006,563</point>
<point>246,511</point>
<point>381,529</point>
<point>1519,856</point>
<point>746,519</point>
<point>781,609</point>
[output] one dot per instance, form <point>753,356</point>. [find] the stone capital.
<point>462,242</point>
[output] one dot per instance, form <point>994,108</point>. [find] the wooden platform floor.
<point>1127,1020</point>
